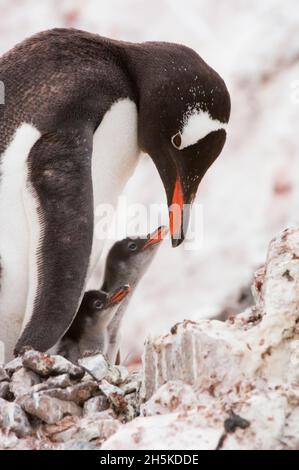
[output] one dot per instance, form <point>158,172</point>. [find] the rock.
<point>98,427</point>
<point>95,404</point>
<point>117,375</point>
<point>9,441</point>
<point>77,393</point>
<point>113,376</point>
<point>130,387</point>
<point>96,365</point>
<point>63,366</point>
<point>265,340</point>
<point>13,418</point>
<point>244,373</point>
<point>206,385</point>
<point>13,365</point>
<point>132,383</point>
<point>124,373</point>
<point>188,354</point>
<point>254,423</point>
<point>65,423</point>
<point>45,365</point>
<point>22,380</point>
<point>60,381</point>
<point>247,319</point>
<point>3,374</point>
<point>38,388</point>
<point>131,409</point>
<point>40,363</point>
<point>48,409</point>
<point>172,396</point>
<point>170,431</point>
<point>81,445</point>
<point>115,396</point>
<point>257,286</point>
<point>4,389</point>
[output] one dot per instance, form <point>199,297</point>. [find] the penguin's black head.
<point>96,301</point>
<point>184,107</point>
<point>128,259</point>
<point>93,301</point>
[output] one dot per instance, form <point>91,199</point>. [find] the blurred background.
<point>252,190</point>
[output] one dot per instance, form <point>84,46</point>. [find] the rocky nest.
<point>204,385</point>
<point>46,402</point>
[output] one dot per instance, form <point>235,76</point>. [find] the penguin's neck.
<point>114,159</point>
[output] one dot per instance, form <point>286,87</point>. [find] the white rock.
<point>100,426</point>
<point>115,395</point>
<point>60,381</point>
<point>249,367</point>
<point>96,365</point>
<point>45,364</point>
<point>95,404</point>
<point>77,393</point>
<point>116,375</point>
<point>265,425</point>
<point>48,409</point>
<point>22,381</point>
<point>13,418</point>
<point>14,365</point>
<point>172,396</point>
<point>4,389</point>
<point>219,355</point>
<point>3,374</point>
<point>169,431</point>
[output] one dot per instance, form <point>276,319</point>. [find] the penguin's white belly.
<point>115,156</point>
<point>14,235</point>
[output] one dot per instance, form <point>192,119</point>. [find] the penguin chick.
<point>88,331</point>
<point>126,263</point>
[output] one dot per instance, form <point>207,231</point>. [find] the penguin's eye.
<point>98,304</point>
<point>132,246</point>
<point>176,140</point>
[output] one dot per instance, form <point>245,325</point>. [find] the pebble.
<point>45,365</point>
<point>48,409</point>
<point>13,418</point>
<point>96,365</point>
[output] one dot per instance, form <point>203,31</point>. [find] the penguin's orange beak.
<point>156,237</point>
<point>118,295</point>
<point>176,211</point>
<point>179,209</point>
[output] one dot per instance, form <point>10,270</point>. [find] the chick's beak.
<point>156,237</point>
<point>118,295</point>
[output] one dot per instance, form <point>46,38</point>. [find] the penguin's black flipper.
<point>59,176</point>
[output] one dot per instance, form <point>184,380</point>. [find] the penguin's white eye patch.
<point>176,140</point>
<point>197,125</point>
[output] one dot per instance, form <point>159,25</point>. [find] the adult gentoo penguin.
<point>78,110</point>
<point>89,331</point>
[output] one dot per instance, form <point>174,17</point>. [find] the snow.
<point>251,192</point>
